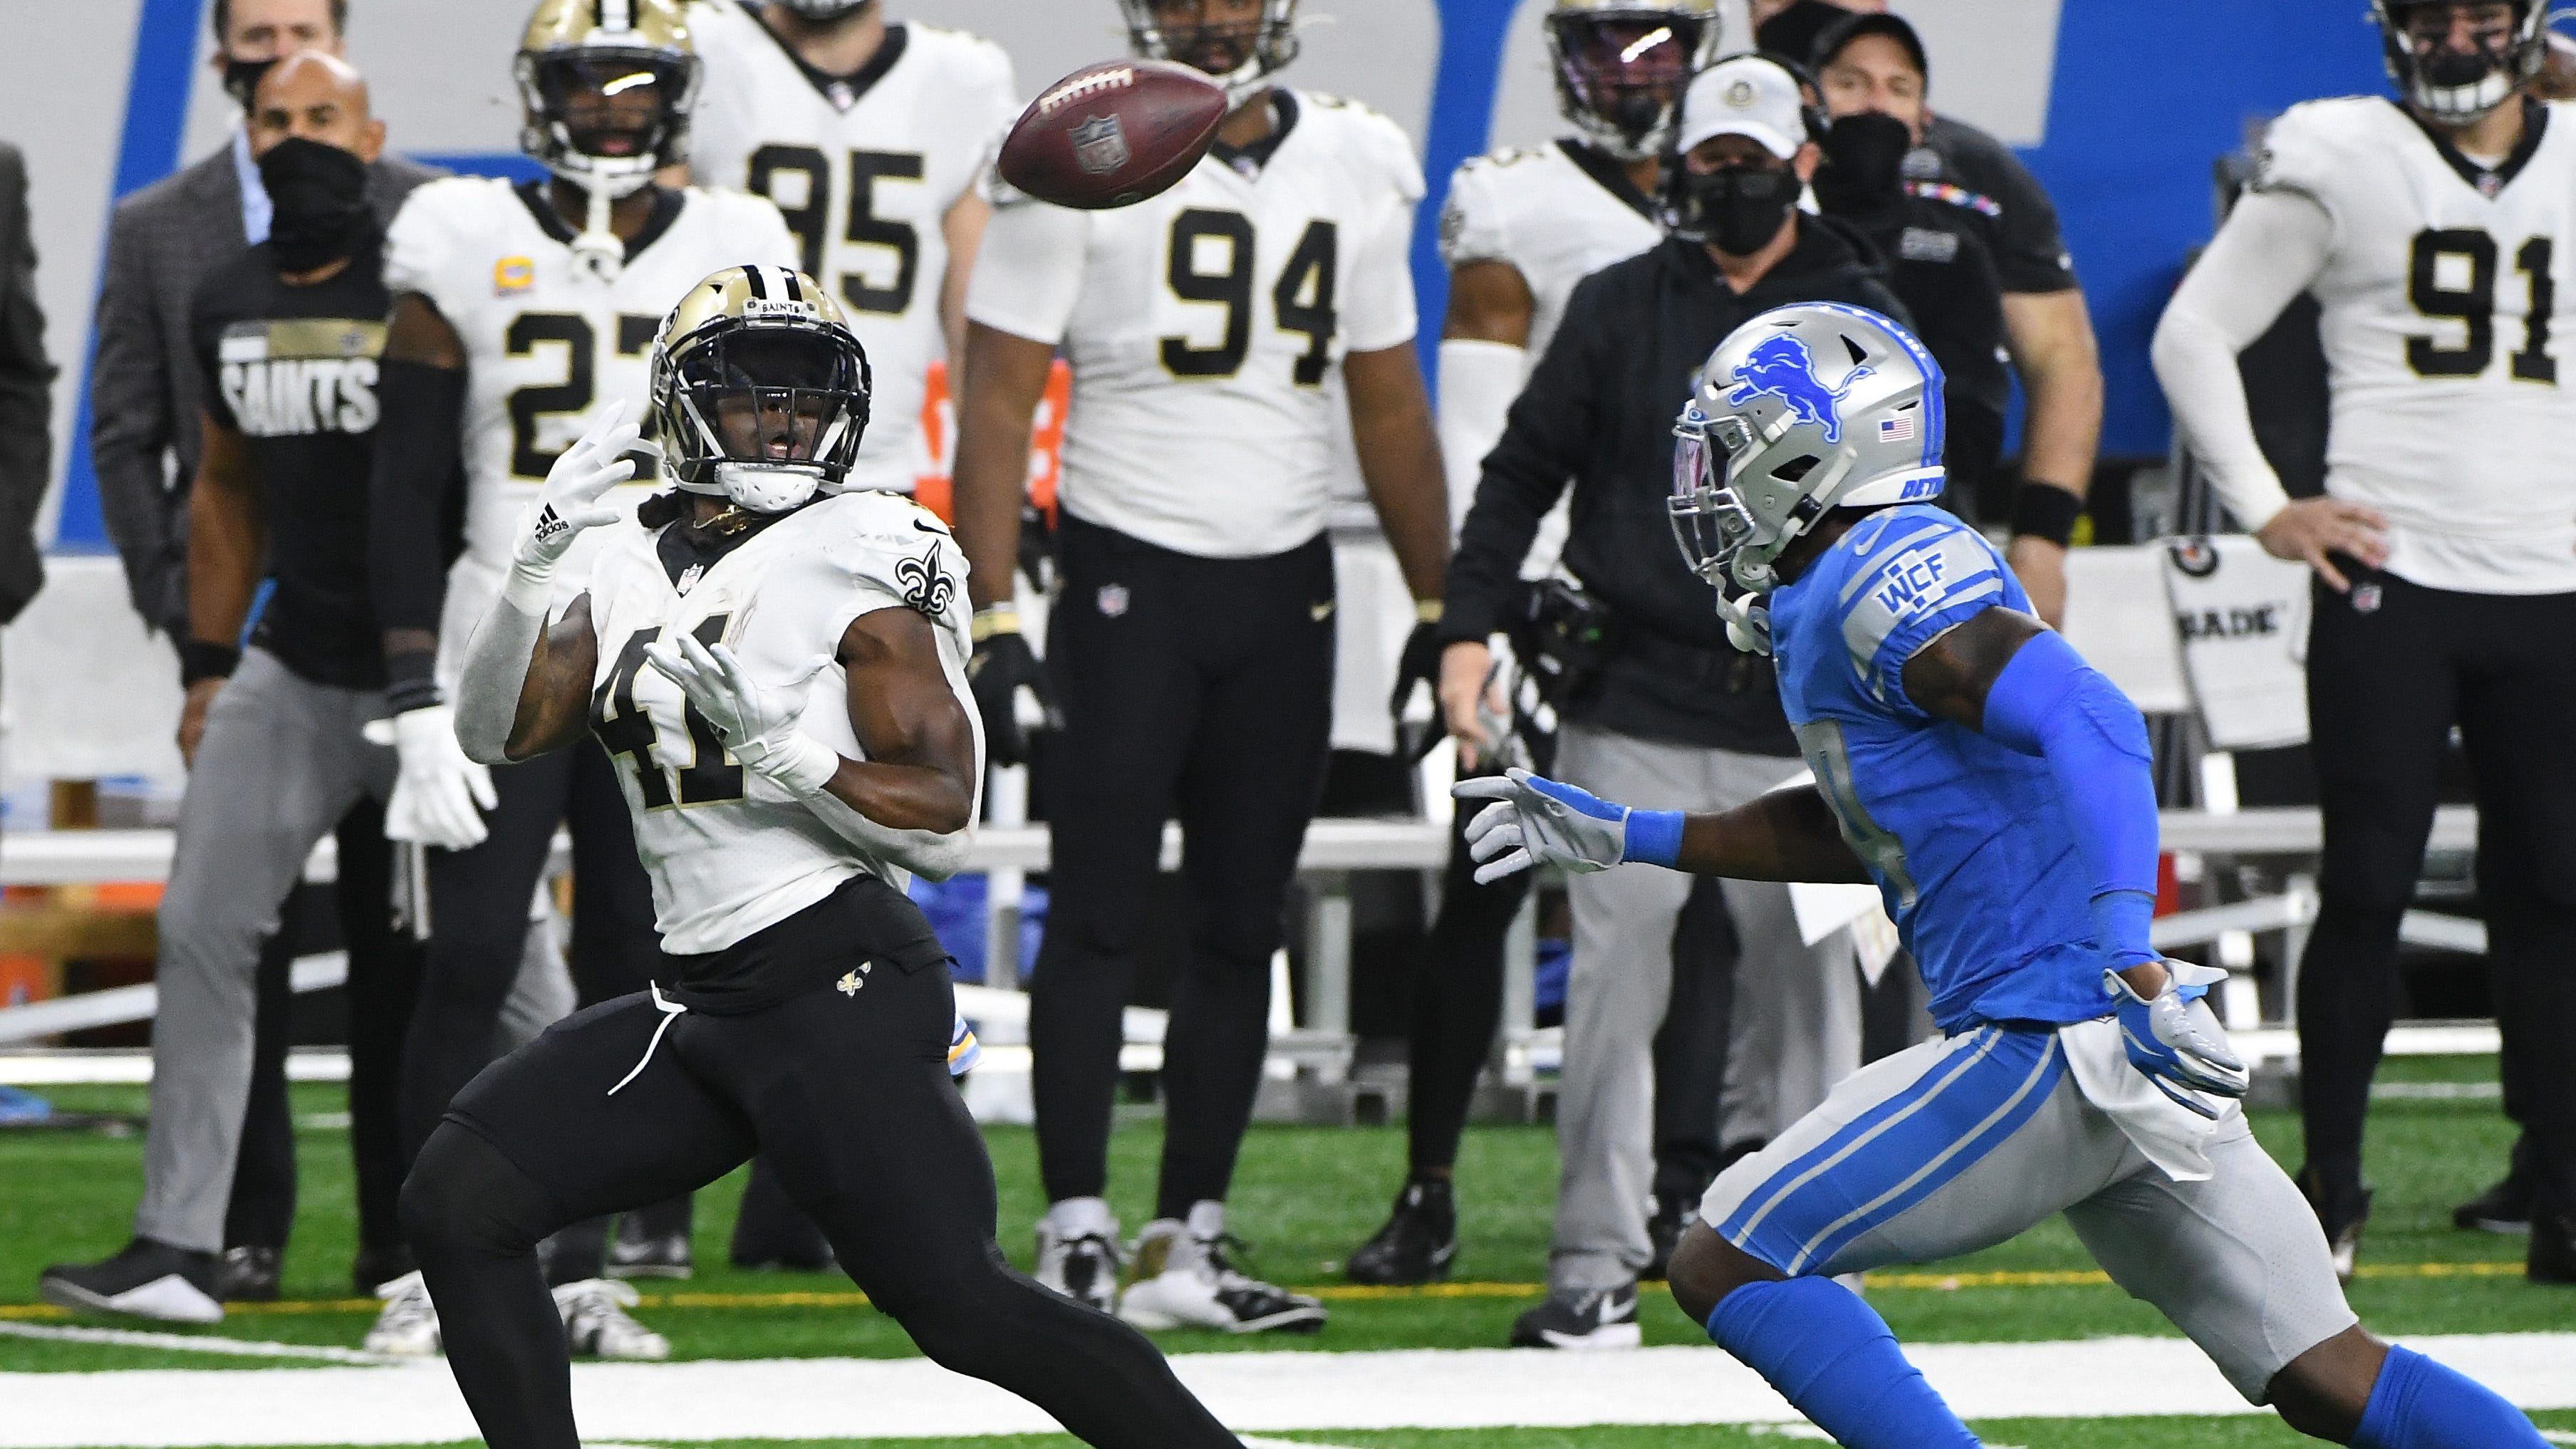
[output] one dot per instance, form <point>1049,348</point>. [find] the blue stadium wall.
<point>2120,106</point>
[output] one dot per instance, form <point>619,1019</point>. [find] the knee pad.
<point>462,1190</point>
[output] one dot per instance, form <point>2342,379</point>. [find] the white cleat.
<point>1185,1281</point>
<point>407,1327</point>
<point>1081,1266</point>
<point>596,1324</point>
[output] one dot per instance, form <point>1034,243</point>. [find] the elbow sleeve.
<point>2049,703</point>
<point>1478,381</point>
<point>418,452</point>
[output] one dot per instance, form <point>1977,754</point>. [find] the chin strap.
<point>1748,622</point>
<point>597,251</point>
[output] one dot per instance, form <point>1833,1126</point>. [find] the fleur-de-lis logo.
<point>849,985</point>
<point>927,587</point>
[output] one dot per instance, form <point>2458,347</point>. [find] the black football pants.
<point>1193,688</point>
<point>2391,668</point>
<point>848,1096</point>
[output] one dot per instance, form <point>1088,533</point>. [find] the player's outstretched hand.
<point>2175,1039</point>
<point>757,725</point>
<point>1535,820</point>
<point>576,489</point>
<point>1002,666</point>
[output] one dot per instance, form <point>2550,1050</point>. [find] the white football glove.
<point>757,725</point>
<point>440,794</point>
<point>1534,820</point>
<point>575,493</point>
<point>2175,1040</point>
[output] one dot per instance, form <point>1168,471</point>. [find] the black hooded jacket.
<point>1599,411</point>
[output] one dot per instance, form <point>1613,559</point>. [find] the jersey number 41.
<point>626,729</point>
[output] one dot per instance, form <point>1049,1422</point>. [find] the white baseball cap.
<point>1746,96</point>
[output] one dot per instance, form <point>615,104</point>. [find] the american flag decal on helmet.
<point>1898,429</point>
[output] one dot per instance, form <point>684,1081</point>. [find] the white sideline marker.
<point>193,1343</point>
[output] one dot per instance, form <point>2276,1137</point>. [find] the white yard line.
<point>1260,1392</point>
<point>192,1343</point>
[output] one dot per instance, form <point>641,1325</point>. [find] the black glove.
<point>1420,664</point>
<point>1002,664</point>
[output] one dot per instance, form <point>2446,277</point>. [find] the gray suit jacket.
<point>26,396</point>
<point>144,388</point>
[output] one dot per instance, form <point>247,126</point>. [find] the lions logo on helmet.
<point>760,390</point>
<point>607,86</point>
<point>1621,66</point>
<point>1803,410</point>
<point>1241,58</point>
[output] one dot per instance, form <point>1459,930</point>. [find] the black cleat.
<point>247,1275</point>
<point>2342,1211</point>
<point>1580,1320</point>
<point>638,1252</point>
<point>146,1280</point>
<point>1664,1229</point>
<point>1418,1243</point>
<point>2551,1257</point>
<point>2505,1207</point>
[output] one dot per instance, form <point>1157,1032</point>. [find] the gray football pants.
<point>283,759</point>
<point>1797,1006</point>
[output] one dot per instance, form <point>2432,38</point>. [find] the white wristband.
<point>801,764</point>
<point>530,591</point>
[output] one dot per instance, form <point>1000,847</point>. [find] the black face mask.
<point>320,196</point>
<point>1864,163</point>
<point>1739,210</point>
<point>242,78</point>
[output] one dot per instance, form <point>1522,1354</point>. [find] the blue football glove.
<point>2175,1040</point>
<point>1534,820</point>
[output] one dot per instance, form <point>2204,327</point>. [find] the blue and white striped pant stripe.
<point>1898,1152</point>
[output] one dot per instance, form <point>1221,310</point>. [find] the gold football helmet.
<point>1241,58</point>
<point>760,389</point>
<point>1622,65</point>
<point>607,86</point>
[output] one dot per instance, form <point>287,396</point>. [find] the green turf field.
<point>1305,1196</point>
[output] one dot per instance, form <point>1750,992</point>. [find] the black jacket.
<point>1599,410</point>
<point>1940,262</point>
<point>26,396</point>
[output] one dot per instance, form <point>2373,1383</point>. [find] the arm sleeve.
<point>2048,702</point>
<point>130,427</point>
<point>1547,436</point>
<point>418,452</point>
<point>2272,247</point>
<point>1028,275</point>
<point>1478,381</point>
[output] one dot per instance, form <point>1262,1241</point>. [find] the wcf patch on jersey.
<point>513,274</point>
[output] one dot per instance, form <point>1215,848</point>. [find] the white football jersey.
<point>728,851</point>
<point>1555,213</point>
<point>865,174</point>
<point>546,343</point>
<point>2442,296</point>
<point>1204,325</point>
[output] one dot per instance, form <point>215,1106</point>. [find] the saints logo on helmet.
<point>2457,84</point>
<point>760,389</point>
<point>1240,55</point>
<point>1621,66</point>
<point>1800,411</point>
<point>607,86</point>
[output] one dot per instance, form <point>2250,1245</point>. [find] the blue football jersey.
<point>1964,836</point>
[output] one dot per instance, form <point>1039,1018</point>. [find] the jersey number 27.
<point>626,729</point>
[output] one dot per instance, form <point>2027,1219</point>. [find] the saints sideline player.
<point>2435,233</point>
<point>518,311</point>
<point>870,134</point>
<point>1195,629</point>
<point>780,664</point>
<point>1521,227</point>
<point>2000,793</point>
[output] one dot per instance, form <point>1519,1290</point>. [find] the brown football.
<point>1112,135</point>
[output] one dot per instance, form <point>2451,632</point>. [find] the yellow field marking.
<point>1342,1292</point>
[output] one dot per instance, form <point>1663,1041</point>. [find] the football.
<point>1113,135</point>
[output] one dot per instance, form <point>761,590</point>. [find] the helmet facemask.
<point>766,414</point>
<point>2460,87</point>
<point>1241,56</point>
<point>1620,73</point>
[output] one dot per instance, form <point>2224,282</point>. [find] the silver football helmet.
<point>1258,51</point>
<point>823,11</point>
<point>2454,88</point>
<point>1801,411</point>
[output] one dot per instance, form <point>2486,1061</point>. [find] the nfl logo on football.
<point>1100,145</point>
